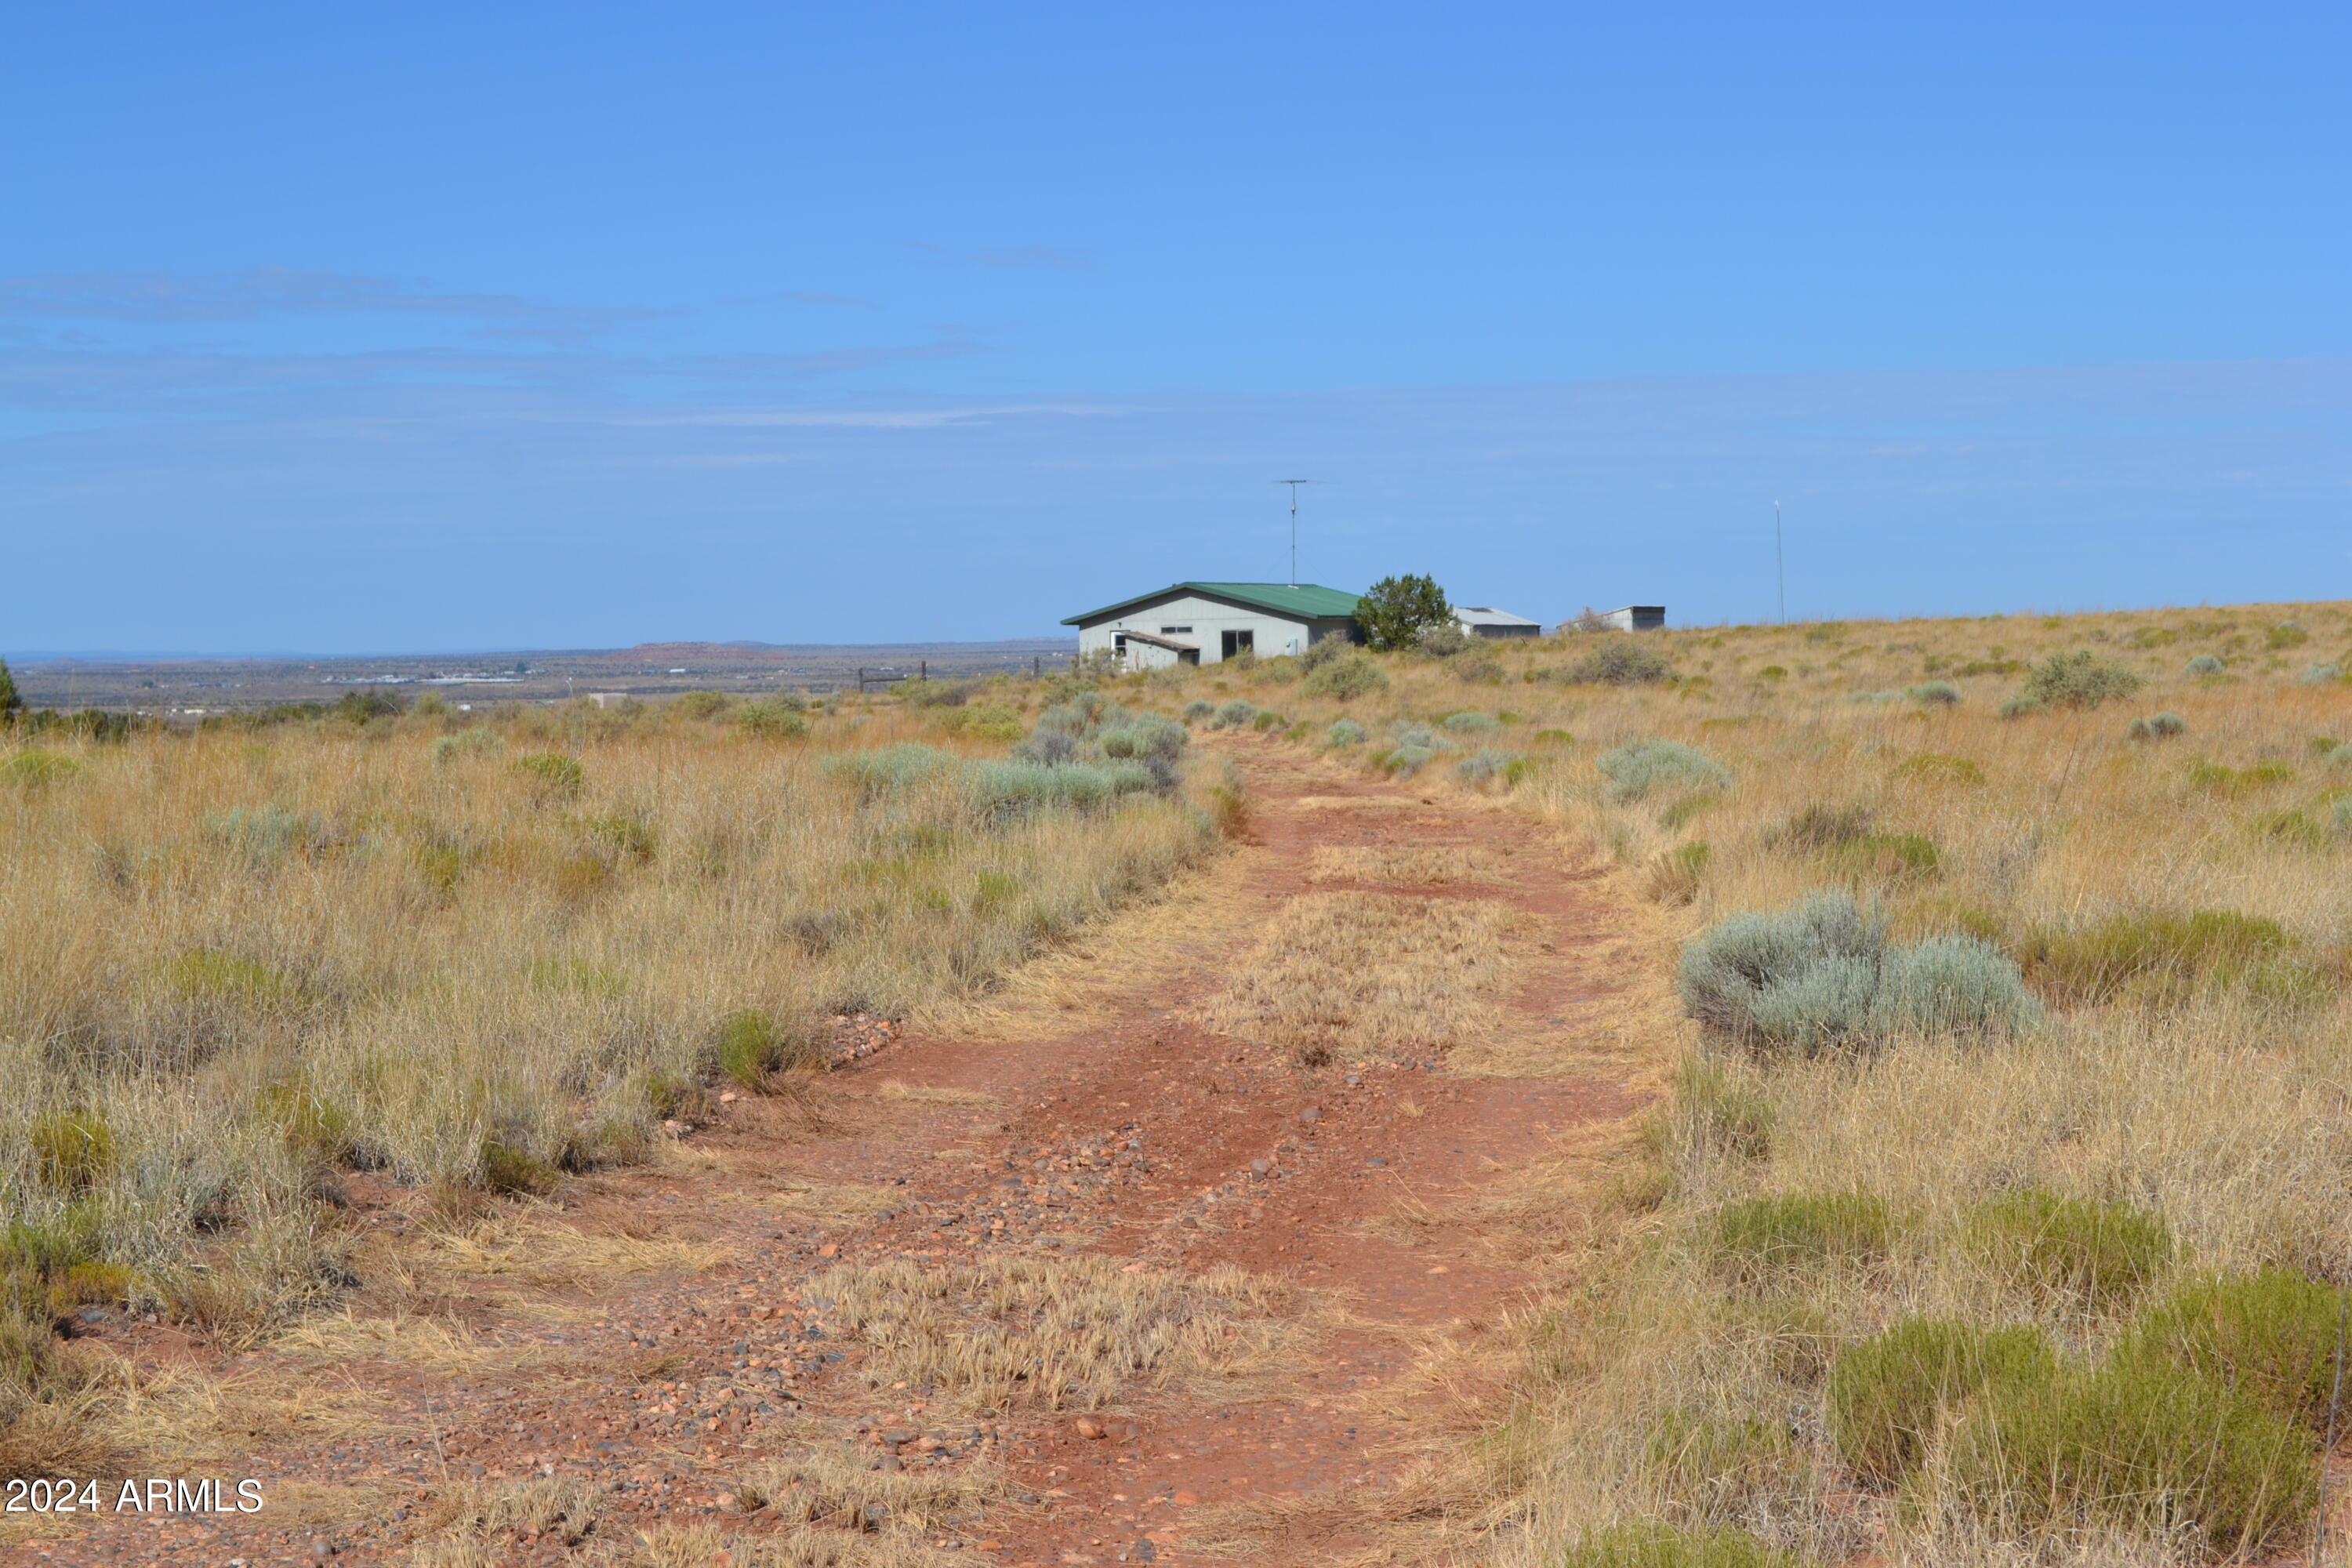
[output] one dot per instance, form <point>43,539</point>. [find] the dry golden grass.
<point>557,1256</point>
<point>1076,1334</point>
<point>921,1094</point>
<point>426,1342</point>
<point>2216,1103</point>
<point>1371,975</point>
<point>840,1201</point>
<point>1412,865</point>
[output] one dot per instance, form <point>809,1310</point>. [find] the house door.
<point>1240,642</point>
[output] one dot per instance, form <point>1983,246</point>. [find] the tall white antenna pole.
<point>1780,563</point>
<point>1294,485</point>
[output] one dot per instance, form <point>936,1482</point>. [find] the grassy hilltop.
<point>1993,1203</point>
<point>2000,1194</point>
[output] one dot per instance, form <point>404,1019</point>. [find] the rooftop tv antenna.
<point>1294,485</point>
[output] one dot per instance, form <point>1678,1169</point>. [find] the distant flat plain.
<point>169,685</point>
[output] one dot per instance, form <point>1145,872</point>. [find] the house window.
<point>1240,642</point>
<point>1174,631</point>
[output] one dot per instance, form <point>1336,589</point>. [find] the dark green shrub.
<point>2163,959</point>
<point>1791,1230</point>
<point>510,1172</point>
<point>73,1149</point>
<point>1668,1546</point>
<point>1268,719</point>
<point>2078,680</point>
<point>1888,1395</point>
<point>2270,1336</point>
<point>1393,611</point>
<point>224,976</point>
<point>753,1047</point>
<point>2140,1444</point>
<point>2102,1254</point>
<point>2286,634</point>
<point>1940,767</point>
<point>1554,738</point>
<point>11,702</point>
<point>553,773</point>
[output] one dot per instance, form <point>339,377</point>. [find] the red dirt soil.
<point>1130,1131</point>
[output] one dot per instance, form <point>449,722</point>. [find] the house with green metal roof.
<point>1206,623</point>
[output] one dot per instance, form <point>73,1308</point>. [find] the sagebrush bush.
<point>1887,1395</point>
<point>2272,1336</point>
<point>2157,727</point>
<point>2078,680</point>
<point>1634,770</point>
<point>1345,732</point>
<point>1440,639</point>
<point>1619,659</point>
<point>1235,714</point>
<point>265,835</point>
<point>475,740</point>
<point>2102,1254</point>
<point>1487,767</point>
<point>1197,710</point>
<point>1825,974</point>
<point>1346,676</point>
<point>700,704</point>
<point>1934,693</point>
<point>1470,722</point>
<point>769,720</point>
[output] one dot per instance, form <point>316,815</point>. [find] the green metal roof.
<point>1306,601</point>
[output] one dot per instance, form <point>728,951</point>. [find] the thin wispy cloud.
<point>260,293</point>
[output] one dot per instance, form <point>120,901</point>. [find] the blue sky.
<point>424,327</point>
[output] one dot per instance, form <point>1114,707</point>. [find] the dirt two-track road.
<point>656,1335</point>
